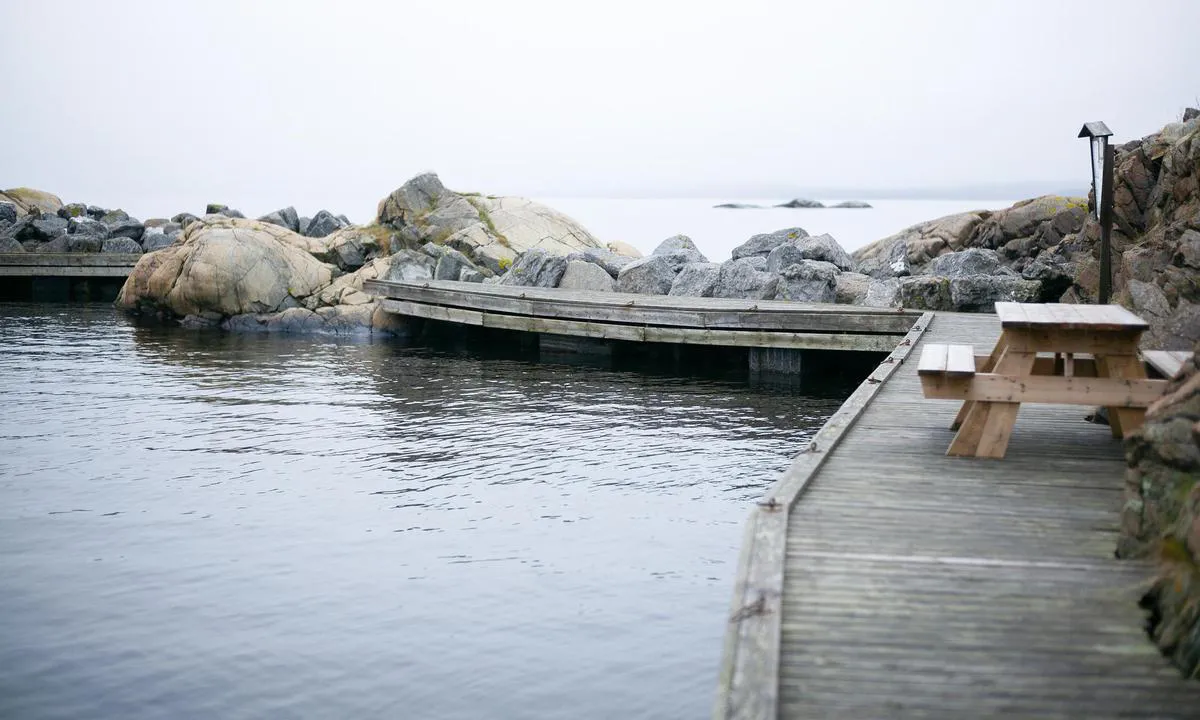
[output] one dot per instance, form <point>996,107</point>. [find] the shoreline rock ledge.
<point>224,270</point>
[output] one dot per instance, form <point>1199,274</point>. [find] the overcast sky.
<point>160,106</point>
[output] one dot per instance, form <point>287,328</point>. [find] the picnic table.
<point>1060,354</point>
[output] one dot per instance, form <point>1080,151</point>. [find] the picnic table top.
<point>1067,317</point>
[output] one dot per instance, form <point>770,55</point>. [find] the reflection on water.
<point>215,525</point>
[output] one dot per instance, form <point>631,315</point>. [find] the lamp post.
<point>1102,181</point>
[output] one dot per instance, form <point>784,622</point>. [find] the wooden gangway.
<point>649,318</point>
<point>84,265</point>
<point>882,579</point>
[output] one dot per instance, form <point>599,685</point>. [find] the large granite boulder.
<point>909,250</point>
<point>696,280</point>
<point>323,224</point>
<point>612,262</point>
<point>536,268</point>
<point>410,266</point>
<point>651,275</point>
<point>423,210</point>
<point>121,245</point>
<point>286,217</point>
<point>29,201</point>
<point>853,288</point>
<point>71,210</point>
<point>224,267</point>
<point>812,281</point>
<point>8,212</point>
<point>656,273</point>
<point>583,275</point>
<point>10,244</point>
<point>129,228</point>
<point>793,251</point>
<point>972,261</point>
<point>87,226</point>
<point>449,263</point>
<point>764,243</point>
<point>745,278</point>
<point>46,228</point>
<point>352,247</point>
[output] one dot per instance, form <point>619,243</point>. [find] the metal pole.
<point>1106,221</point>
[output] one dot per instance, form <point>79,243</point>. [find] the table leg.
<point>994,358</point>
<point>988,425</point>
<point>1122,421</point>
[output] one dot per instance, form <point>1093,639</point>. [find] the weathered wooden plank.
<point>1167,362</point>
<point>749,686</point>
<point>1109,392</point>
<point>642,309</point>
<point>639,333</point>
<point>933,359</point>
<point>70,259</point>
<point>960,360</point>
<point>1067,317</point>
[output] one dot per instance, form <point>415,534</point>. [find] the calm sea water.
<point>241,526</point>
<point>716,231</point>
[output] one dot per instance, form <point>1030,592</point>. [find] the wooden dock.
<point>83,265</point>
<point>649,318</point>
<point>882,579</point>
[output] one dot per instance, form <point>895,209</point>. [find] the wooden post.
<point>1106,222</point>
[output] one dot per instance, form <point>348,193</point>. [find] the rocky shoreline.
<point>286,272</point>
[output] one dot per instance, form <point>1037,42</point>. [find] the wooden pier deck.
<point>97,265</point>
<point>649,318</point>
<point>882,579</point>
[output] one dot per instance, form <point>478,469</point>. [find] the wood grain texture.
<point>919,585</point>
<point>1067,317</point>
<point>113,265</point>
<point>748,686</point>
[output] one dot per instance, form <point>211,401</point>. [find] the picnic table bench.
<point>1088,356</point>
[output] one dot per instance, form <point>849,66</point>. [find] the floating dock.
<point>100,265</point>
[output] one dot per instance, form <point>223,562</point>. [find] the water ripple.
<point>210,525</point>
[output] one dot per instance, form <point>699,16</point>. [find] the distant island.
<point>800,203</point>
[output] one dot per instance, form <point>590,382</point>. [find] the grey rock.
<point>536,268</point>
<point>113,216</point>
<point>469,275</point>
<point>410,266</point>
<point>62,243</point>
<point>48,227</point>
<point>84,243</point>
<point>171,229</point>
<point>1188,252</point>
<point>742,279</point>
<point>231,213</point>
<point>883,293</point>
<point>681,247</point>
<point>1190,114</point>
<point>345,220</point>
<point>324,223</point>
<point>857,204</point>
<point>70,210</point>
<point>1147,300</point>
<point>214,208</point>
<point>121,244</point>
<point>924,292</point>
<point>8,212</point>
<point>651,275</point>
<point>285,217</point>
<point>449,262</point>
<point>852,288</point>
<point>696,280</point>
<point>1055,276</point>
<point>157,240</point>
<point>763,244</point>
<point>96,212</point>
<point>821,247</point>
<point>583,275</point>
<point>302,225</point>
<point>812,281</point>
<point>801,203</point>
<point>980,293</point>
<point>607,259</point>
<point>973,261</point>
<point>11,245</point>
<point>129,228</point>
<point>184,219</point>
